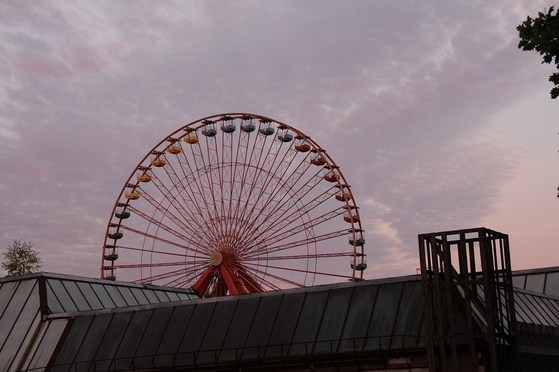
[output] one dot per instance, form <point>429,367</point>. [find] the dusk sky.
<point>434,115</point>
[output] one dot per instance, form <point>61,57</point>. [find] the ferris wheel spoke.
<point>244,143</point>
<point>194,176</point>
<point>258,276</point>
<point>256,212</point>
<point>181,281</point>
<point>198,175</point>
<point>249,281</point>
<point>259,174</point>
<point>182,190</point>
<point>162,276</point>
<point>274,169</point>
<point>187,276</point>
<point>198,254</point>
<point>156,238</point>
<point>195,223</point>
<point>291,212</point>
<point>255,215</point>
<point>305,271</point>
<point>265,194</point>
<point>165,227</point>
<point>151,265</point>
<point>191,244</point>
<point>238,225</point>
<point>278,219</point>
<point>296,229</point>
<point>287,180</point>
<point>180,272</point>
<point>252,280</point>
<point>215,177</point>
<point>187,221</point>
<point>263,274</point>
<point>225,171</point>
<point>300,242</point>
<point>281,209</point>
<point>288,226</point>
<point>298,256</point>
<point>234,181</point>
<point>212,165</point>
<point>206,170</point>
<point>270,285</point>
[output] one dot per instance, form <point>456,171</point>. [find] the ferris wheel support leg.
<point>202,284</point>
<point>219,288</point>
<point>233,284</point>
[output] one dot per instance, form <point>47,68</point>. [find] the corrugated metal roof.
<point>369,317</point>
<point>544,280</point>
<point>28,337</point>
<point>536,308</point>
<point>90,324</point>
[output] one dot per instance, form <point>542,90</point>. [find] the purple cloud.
<point>400,94</point>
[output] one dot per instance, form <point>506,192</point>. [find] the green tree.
<point>20,258</point>
<point>542,35</point>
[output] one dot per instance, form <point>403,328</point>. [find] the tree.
<point>542,34</point>
<point>20,258</point>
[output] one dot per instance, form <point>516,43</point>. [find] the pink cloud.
<point>32,64</point>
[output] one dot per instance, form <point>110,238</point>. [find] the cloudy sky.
<point>437,120</point>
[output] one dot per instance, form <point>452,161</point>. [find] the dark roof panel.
<point>261,329</point>
<point>536,308</point>
<point>544,280</point>
<point>284,324</point>
<point>155,329</point>
<point>552,284</point>
<point>47,342</point>
<point>90,295</point>
<point>131,339</point>
<point>239,327</point>
<point>406,333</point>
<point>383,318</point>
<point>101,293</point>
<point>7,291</point>
<point>358,317</point>
<point>199,323</point>
<point>333,321</point>
<point>173,335</point>
<point>19,319</point>
<point>114,335</point>
<point>219,325</point>
<point>60,297</point>
<point>74,340</point>
<point>308,324</point>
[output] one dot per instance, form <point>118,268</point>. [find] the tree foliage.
<point>542,35</point>
<point>20,258</point>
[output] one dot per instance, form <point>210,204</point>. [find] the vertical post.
<point>464,282</point>
<point>426,280</point>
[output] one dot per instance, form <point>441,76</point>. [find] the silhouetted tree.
<point>20,258</point>
<point>542,35</point>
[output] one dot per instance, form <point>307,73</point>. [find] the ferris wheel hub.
<point>216,258</point>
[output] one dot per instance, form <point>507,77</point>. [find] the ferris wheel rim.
<point>196,125</point>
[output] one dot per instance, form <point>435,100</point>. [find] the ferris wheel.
<point>235,203</point>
